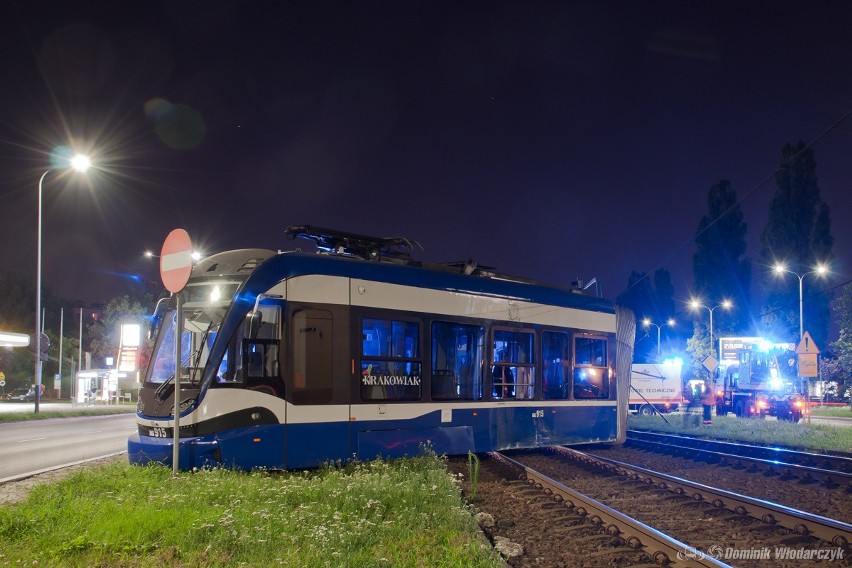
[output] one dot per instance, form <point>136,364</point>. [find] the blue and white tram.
<point>291,360</point>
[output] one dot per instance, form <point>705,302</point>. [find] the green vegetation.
<point>401,513</point>
<point>844,411</point>
<point>473,473</point>
<point>767,431</point>
<point>66,413</point>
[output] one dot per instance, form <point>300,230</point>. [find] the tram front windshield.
<point>200,326</point>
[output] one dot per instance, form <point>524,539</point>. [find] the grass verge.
<point>835,411</point>
<point>818,437</point>
<point>400,513</point>
<point>70,412</point>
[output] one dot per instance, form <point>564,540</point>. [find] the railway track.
<point>832,461</point>
<point>679,523</point>
<point>831,471</point>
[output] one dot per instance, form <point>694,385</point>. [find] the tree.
<point>797,233</point>
<point>17,315</point>
<point>837,382</point>
<point>100,336</point>
<point>697,348</point>
<point>17,302</point>
<point>842,308</point>
<point>105,332</point>
<point>720,269</point>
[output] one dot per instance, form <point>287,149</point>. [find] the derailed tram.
<point>291,360</point>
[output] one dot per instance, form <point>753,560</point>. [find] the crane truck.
<point>759,378</point>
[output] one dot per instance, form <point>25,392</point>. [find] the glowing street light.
<point>695,304</point>
<point>79,163</point>
<point>820,270</point>
<point>648,323</point>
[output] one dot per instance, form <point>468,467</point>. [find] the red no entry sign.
<point>176,261</point>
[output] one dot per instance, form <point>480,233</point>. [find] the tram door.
<point>317,430</point>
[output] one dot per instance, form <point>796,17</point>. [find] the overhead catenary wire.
<point>747,194</point>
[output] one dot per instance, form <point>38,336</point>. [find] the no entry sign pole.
<point>175,269</point>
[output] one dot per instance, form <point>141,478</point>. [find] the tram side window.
<point>312,356</point>
<point>591,373</point>
<point>456,356</point>
<point>390,360</point>
<point>513,364</point>
<point>555,363</point>
<point>254,362</point>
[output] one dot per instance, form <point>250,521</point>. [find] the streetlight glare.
<point>648,323</point>
<point>696,304</point>
<point>819,270</point>
<point>81,163</point>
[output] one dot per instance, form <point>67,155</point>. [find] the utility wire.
<point>743,198</point>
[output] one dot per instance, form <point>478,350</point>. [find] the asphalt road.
<point>37,445</point>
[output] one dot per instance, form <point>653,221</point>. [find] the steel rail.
<point>832,531</point>
<point>663,549</point>
<point>833,461</point>
<point>827,477</point>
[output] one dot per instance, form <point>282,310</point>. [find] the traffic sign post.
<point>710,363</point>
<point>175,269</point>
<point>808,354</point>
<point>176,261</point>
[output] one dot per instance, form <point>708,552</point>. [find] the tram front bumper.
<point>192,452</point>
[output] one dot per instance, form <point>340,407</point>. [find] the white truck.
<point>656,387</point>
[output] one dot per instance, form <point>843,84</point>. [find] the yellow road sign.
<point>808,365</point>
<point>807,346</point>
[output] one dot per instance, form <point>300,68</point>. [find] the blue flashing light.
<point>673,362</point>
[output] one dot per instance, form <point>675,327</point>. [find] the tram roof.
<point>284,265</point>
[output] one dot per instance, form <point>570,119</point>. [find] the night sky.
<point>554,140</point>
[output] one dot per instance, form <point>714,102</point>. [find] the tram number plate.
<point>158,432</point>
<point>538,414</point>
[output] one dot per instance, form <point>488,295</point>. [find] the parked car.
<point>21,395</point>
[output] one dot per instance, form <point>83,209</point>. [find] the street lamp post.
<point>696,304</point>
<point>81,164</point>
<point>647,323</point>
<point>819,271</point>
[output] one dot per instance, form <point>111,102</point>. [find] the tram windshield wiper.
<point>162,388</point>
<point>194,357</point>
